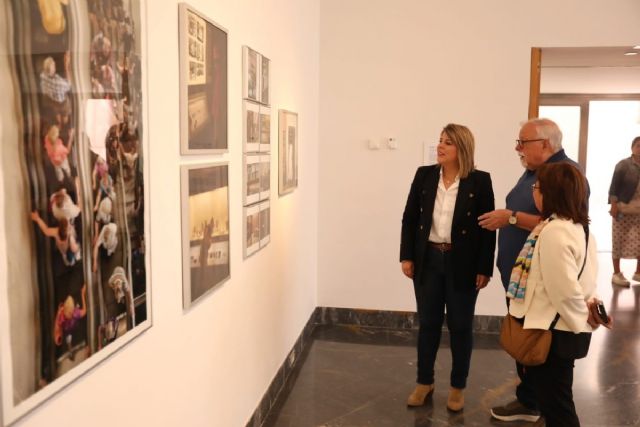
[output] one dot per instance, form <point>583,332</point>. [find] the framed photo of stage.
<point>205,229</point>
<point>287,151</point>
<point>203,83</point>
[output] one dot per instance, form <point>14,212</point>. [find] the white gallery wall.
<point>211,365</point>
<point>404,70</point>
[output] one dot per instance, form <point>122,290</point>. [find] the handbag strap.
<point>584,262</point>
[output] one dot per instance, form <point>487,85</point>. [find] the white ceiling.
<point>587,57</point>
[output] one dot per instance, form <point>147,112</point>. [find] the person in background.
<point>448,256</point>
<point>624,197</point>
<point>553,286</point>
<point>539,142</point>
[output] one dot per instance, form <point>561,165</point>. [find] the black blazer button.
<point>469,213</point>
<point>421,227</point>
<point>464,231</point>
<point>420,209</point>
<point>470,194</point>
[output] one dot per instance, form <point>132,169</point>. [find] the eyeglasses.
<point>535,187</point>
<point>520,142</point>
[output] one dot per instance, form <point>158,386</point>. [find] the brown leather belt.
<point>442,247</point>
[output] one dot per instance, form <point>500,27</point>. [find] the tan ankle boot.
<point>456,399</point>
<point>420,394</point>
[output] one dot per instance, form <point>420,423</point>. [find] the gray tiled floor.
<point>354,376</point>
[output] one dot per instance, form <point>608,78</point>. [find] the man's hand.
<point>481,281</point>
<point>407,268</point>
<point>495,219</point>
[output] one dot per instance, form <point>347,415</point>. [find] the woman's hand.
<point>614,210</point>
<point>481,281</point>
<point>594,319</point>
<point>407,268</point>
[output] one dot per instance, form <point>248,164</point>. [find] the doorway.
<point>594,96</point>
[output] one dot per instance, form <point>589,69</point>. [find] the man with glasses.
<point>539,142</point>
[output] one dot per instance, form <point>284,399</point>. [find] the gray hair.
<point>549,130</point>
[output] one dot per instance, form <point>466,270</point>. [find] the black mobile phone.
<point>602,312</point>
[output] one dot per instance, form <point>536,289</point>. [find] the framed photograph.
<point>251,127</point>
<point>76,288</point>
<point>252,172</point>
<point>265,176</point>
<point>288,151</point>
<point>251,229</point>
<point>264,81</point>
<point>203,83</point>
<point>205,229</point>
<point>265,129</point>
<point>251,75</point>
<point>265,223</point>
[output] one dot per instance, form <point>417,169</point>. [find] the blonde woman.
<point>448,256</point>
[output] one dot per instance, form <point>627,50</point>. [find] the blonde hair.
<point>462,138</point>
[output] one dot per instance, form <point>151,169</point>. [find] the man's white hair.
<point>549,130</point>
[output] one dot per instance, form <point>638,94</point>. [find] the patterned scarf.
<point>520,272</point>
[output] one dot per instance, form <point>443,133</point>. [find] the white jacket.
<point>553,285</point>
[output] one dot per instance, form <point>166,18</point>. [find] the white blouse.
<point>443,211</point>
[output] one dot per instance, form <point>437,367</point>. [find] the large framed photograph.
<point>75,289</point>
<point>252,135</point>
<point>288,151</point>
<point>205,229</point>
<point>203,83</point>
<point>251,74</point>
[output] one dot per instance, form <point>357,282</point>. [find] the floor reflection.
<point>356,376</point>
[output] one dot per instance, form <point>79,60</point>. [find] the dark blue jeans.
<point>435,292</point>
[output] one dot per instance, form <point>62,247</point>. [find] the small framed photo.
<point>205,229</point>
<point>252,172</point>
<point>251,127</point>
<point>203,84</point>
<point>265,129</point>
<point>264,81</point>
<point>288,151</point>
<point>252,230</point>
<point>251,64</point>
<point>265,223</point>
<point>265,176</point>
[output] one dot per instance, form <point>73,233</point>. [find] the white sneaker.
<point>619,280</point>
<point>636,277</point>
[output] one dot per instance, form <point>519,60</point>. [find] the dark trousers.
<point>552,382</point>
<point>434,292</point>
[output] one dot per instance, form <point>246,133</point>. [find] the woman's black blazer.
<point>473,247</point>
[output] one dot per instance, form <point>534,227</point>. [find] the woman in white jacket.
<point>553,286</point>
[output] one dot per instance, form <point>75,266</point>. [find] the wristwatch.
<point>513,219</point>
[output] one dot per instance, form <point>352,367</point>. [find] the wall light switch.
<point>392,143</point>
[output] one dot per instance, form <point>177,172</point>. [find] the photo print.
<point>251,127</point>
<point>205,229</point>
<point>288,151</point>
<point>203,84</point>
<point>265,129</point>
<point>251,229</point>
<point>76,221</point>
